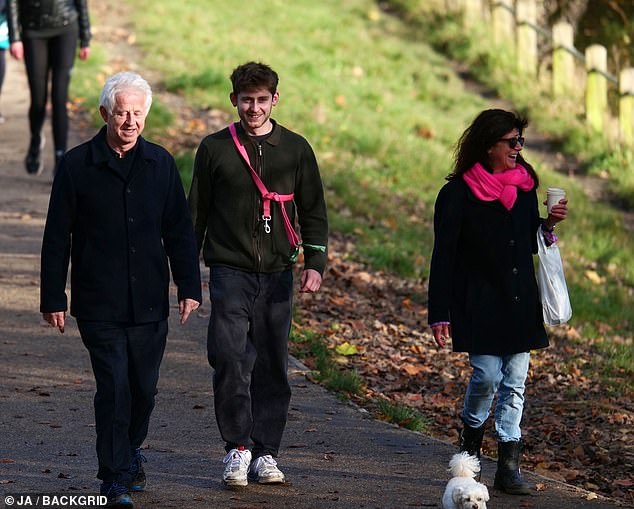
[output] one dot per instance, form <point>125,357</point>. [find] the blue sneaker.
<point>118,495</point>
<point>136,472</point>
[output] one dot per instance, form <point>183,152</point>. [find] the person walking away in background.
<point>4,44</point>
<point>482,286</point>
<point>44,34</point>
<point>249,244</point>
<point>118,212</point>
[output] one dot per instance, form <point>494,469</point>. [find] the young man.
<point>118,212</point>
<point>249,244</point>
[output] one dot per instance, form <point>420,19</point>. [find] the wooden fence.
<point>514,23</point>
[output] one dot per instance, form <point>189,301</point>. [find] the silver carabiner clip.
<point>267,228</point>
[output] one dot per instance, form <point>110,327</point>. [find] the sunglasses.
<point>514,141</point>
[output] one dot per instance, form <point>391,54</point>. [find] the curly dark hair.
<point>254,75</point>
<point>484,132</point>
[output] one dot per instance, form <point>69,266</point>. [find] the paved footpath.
<point>334,455</point>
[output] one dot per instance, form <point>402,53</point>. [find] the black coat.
<point>33,18</point>
<point>119,236</point>
<point>482,276</point>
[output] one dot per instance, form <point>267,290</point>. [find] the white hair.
<point>124,81</point>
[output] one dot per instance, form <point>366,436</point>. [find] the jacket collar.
<point>101,153</point>
<point>273,139</point>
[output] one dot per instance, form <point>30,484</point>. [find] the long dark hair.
<point>484,132</point>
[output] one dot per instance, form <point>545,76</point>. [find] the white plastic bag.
<point>553,291</point>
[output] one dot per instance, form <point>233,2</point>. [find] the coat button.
<point>511,242</point>
<point>516,298</point>
<point>515,271</point>
<point>133,250</point>
<point>131,219</point>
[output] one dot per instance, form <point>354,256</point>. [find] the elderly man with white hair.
<point>118,214</point>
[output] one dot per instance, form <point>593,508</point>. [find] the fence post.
<point>527,36</point>
<point>563,63</point>
<point>626,105</point>
<point>596,86</point>
<point>503,22</point>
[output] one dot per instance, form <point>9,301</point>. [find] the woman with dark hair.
<point>482,286</point>
<point>45,33</point>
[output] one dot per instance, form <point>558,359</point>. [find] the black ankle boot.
<point>33,162</point>
<point>508,477</point>
<point>471,439</point>
<point>471,442</point>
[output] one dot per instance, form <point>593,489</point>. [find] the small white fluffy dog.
<point>463,491</point>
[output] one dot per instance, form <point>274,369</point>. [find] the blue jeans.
<point>505,375</point>
<point>247,345</point>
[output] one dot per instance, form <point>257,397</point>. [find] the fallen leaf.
<point>346,349</point>
<point>412,369</point>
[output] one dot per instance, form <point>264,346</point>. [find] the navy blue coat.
<point>482,275</point>
<point>119,236</point>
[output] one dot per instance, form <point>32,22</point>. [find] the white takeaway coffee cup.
<point>553,195</point>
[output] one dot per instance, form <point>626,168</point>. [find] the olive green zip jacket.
<point>226,205</point>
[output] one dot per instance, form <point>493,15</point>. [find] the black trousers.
<point>247,345</point>
<point>54,56</point>
<point>125,360</point>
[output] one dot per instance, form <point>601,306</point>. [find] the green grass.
<point>403,416</point>
<point>87,82</point>
<point>382,109</point>
<point>308,346</point>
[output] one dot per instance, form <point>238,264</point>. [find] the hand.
<point>558,213</point>
<point>17,50</point>
<point>310,282</point>
<point>57,319</point>
<point>185,307</point>
<point>441,332</point>
<point>84,53</point>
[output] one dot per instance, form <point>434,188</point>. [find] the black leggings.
<point>50,56</point>
<point>3,66</point>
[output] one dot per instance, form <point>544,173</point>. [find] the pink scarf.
<point>498,186</point>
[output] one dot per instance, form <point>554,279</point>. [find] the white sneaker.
<point>264,470</point>
<point>237,465</point>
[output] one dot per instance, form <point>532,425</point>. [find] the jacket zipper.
<point>258,228</point>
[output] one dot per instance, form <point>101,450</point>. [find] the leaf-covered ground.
<point>577,429</point>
